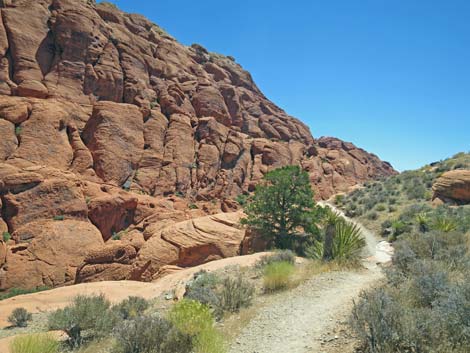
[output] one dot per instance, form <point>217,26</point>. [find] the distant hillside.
<point>390,206</point>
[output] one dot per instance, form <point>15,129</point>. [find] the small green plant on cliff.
<point>6,236</point>
<point>282,208</point>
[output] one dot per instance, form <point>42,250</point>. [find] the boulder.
<point>453,186</point>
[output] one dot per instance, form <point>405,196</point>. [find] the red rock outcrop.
<point>108,124</point>
<point>453,186</point>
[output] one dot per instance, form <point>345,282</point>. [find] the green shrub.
<point>6,236</point>
<point>20,317</point>
<point>131,308</point>
<point>380,207</point>
<point>36,343</point>
<point>278,256</point>
<point>372,216</point>
<point>202,288</point>
<point>278,276</point>
<point>193,206</point>
<point>151,335</point>
<point>195,319</point>
<point>88,317</point>
<point>235,293</point>
<point>242,199</point>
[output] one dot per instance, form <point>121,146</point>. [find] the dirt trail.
<point>298,321</point>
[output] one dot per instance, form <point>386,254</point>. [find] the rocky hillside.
<point>111,131</point>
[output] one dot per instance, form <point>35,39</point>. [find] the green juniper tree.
<point>283,207</point>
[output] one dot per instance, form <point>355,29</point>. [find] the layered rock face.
<point>109,128</point>
<point>453,186</point>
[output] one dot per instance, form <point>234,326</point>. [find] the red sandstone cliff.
<point>108,124</point>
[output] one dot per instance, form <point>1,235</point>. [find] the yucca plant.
<point>330,221</point>
<point>348,241</point>
<point>423,222</point>
<point>346,245</point>
<point>444,224</point>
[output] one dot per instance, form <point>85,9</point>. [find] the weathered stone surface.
<point>453,186</point>
<point>114,135</point>
<point>51,257</point>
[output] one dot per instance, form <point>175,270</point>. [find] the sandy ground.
<point>114,291</point>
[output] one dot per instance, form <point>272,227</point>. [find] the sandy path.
<point>298,320</point>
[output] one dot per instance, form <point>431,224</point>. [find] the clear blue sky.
<point>392,76</point>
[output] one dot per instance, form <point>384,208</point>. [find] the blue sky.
<point>391,76</point>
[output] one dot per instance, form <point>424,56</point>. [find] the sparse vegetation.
<point>20,317</point>
<point>423,307</point>
<point>151,335</point>
<point>87,318</point>
<point>236,293</point>
<point>131,308</point>
<point>278,256</point>
<point>34,343</point>
<point>195,319</point>
<point>13,292</point>
<point>277,276</point>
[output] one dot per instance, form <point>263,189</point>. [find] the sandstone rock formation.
<point>453,186</point>
<point>110,127</point>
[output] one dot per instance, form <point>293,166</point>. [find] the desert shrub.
<point>20,317</point>
<point>202,288</point>
<point>372,216</point>
<point>235,293</point>
<point>278,256</point>
<point>277,276</point>
<point>195,319</point>
<point>375,320</point>
<point>453,310</point>
<point>428,282</point>
<point>380,207</point>
<point>386,228</point>
<point>151,335</point>
<point>131,307</point>
<point>35,343</point>
<point>339,199</point>
<point>88,317</point>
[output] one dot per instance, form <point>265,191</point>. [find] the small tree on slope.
<point>283,207</point>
